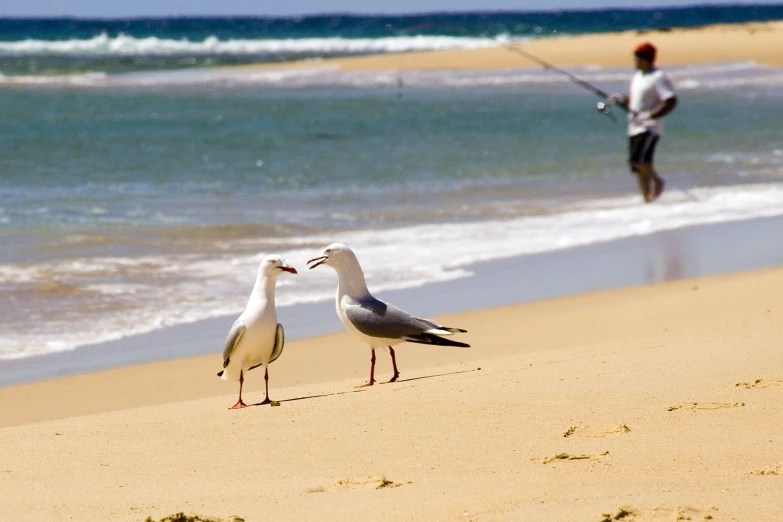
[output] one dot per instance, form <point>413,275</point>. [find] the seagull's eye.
<point>328,251</point>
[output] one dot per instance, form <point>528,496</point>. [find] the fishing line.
<point>603,107</point>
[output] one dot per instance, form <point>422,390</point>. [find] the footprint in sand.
<point>705,406</point>
<point>183,517</point>
<point>659,514</point>
<point>568,456</point>
<point>773,469</point>
<point>624,513</point>
<point>368,483</point>
<point>590,432</point>
<point>759,383</point>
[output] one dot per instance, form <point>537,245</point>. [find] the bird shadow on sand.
<point>319,396</point>
<point>316,396</point>
<point>437,375</point>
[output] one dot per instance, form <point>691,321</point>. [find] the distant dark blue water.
<point>67,46</point>
<point>487,24</point>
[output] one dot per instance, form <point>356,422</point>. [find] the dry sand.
<point>662,401</point>
<point>759,42</point>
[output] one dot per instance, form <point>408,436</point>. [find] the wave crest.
<point>124,45</point>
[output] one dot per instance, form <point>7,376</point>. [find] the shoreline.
<point>74,383</point>
<point>685,253</point>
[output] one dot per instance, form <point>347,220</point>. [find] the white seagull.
<point>373,321</point>
<point>256,338</point>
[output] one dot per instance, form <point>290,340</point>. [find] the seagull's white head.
<point>273,266</point>
<point>336,256</point>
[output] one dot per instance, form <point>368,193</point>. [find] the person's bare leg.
<point>658,184</point>
<point>649,181</point>
<point>372,371</point>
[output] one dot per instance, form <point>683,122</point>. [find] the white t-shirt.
<point>648,90</point>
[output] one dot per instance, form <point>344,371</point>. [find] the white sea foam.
<point>123,45</point>
<point>717,76</point>
<point>82,79</point>
<point>131,296</point>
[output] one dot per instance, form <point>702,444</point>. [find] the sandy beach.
<point>662,401</point>
<point>658,402</point>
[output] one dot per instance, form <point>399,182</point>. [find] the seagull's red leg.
<point>266,381</point>
<point>394,363</point>
<point>372,371</point>
<point>239,403</point>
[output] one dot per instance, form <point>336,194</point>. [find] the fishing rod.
<point>603,106</point>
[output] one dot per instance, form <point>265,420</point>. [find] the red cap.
<point>646,51</point>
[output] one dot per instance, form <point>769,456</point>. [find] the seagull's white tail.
<point>445,330</point>
<point>231,372</point>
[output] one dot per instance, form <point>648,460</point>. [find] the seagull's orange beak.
<point>319,259</point>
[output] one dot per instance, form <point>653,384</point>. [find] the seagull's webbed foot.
<point>365,385</point>
<point>265,401</point>
<point>393,379</point>
<point>240,403</point>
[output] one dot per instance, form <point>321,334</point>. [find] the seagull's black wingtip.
<point>425,338</point>
<point>453,330</point>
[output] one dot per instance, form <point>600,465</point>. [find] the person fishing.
<point>651,97</point>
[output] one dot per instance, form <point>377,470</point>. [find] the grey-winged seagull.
<point>377,323</point>
<point>256,338</point>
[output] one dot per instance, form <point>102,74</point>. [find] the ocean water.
<point>50,47</point>
<point>139,199</point>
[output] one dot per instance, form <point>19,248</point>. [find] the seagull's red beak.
<point>288,268</point>
<point>319,259</point>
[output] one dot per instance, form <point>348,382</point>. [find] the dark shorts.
<point>642,148</point>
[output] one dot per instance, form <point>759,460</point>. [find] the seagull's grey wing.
<point>234,335</point>
<point>434,327</point>
<point>377,319</point>
<point>278,348</point>
<point>279,342</point>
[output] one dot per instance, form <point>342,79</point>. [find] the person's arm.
<point>664,108</point>
<point>665,91</point>
<point>618,99</point>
